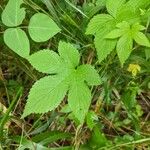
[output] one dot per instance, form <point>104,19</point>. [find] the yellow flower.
<point>134,69</point>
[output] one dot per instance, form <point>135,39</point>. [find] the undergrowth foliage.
<point>66,76</point>
<point>118,32</point>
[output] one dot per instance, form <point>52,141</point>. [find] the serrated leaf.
<point>113,6</point>
<point>89,74</point>
<point>69,54</point>
<point>124,48</point>
<point>104,46</point>
<point>45,95</point>
<point>100,26</point>
<point>114,34</point>
<point>17,40</point>
<point>97,22</point>
<point>141,39</point>
<point>42,27</point>
<point>127,14</point>
<point>79,102</point>
<point>137,4</point>
<point>13,14</point>
<point>45,61</point>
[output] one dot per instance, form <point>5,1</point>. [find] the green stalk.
<point>5,118</point>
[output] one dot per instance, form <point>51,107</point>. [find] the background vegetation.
<point>118,117</point>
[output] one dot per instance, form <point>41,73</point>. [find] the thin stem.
<point>4,119</point>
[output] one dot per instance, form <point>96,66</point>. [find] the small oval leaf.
<point>17,40</point>
<point>42,27</point>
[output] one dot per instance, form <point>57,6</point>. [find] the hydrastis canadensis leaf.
<point>17,40</point>
<point>13,14</point>
<point>42,27</point>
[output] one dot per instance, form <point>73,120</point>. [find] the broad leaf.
<point>114,5</point>
<point>100,26</point>
<point>13,14</point>
<point>45,61</point>
<point>46,94</point>
<point>116,33</point>
<point>89,74</point>
<point>124,48</point>
<point>69,54</point>
<point>96,22</point>
<point>42,27</point>
<point>127,13</point>
<point>138,4</point>
<point>17,40</point>
<point>141,39</point>
<point>79,99</point>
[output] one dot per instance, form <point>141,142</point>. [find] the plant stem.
<point>4,119</point>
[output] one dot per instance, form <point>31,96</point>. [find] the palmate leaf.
<point>47,93</point>
<point>13,14</point>
<point>42,27</point>
<point>17,40</point>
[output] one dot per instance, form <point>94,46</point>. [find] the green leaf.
<point>89,74</point>
<point>124,48</point>
<point>97,22</point>
<point>116,33</point>
<point>45,61</point>
<point>141,39</point>
<point>90,119</point>
<point>42,27</point>
<point>137,4</point>
<point>79,98</point>
<point>17,40</point>
<point>104,46</point>
<point>147,53</point>
<point>69,54</point>
<point>100,26</point>
<point>127,14</point>
<point>49,137</point>
<point>13,14</point>
<point>46,94</point>
<point>113,6</point>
